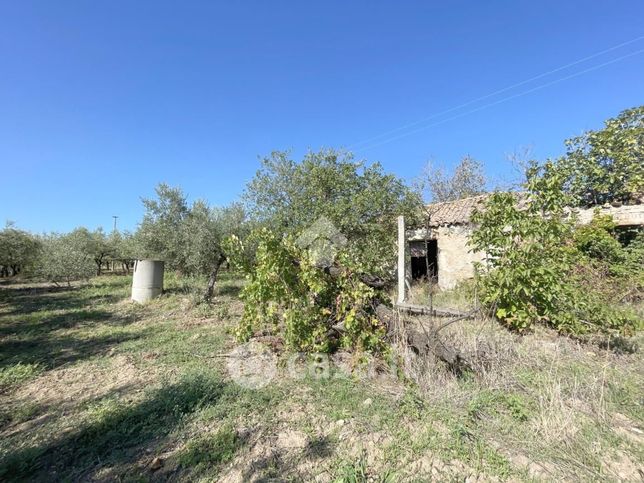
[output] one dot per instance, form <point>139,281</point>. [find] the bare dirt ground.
<point>95,388</point>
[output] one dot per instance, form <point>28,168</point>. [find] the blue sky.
<point>100,101</point>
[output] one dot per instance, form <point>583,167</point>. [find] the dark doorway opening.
<point>418,268</point>
<point>627,233</point>
<point>424,260</point>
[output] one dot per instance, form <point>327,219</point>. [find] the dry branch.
<point>424,342</point>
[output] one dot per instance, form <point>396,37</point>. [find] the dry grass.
<point>546,403</point>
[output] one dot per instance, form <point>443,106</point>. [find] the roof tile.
<point>457,212</point>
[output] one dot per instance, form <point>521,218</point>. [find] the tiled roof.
<point>457,212</point>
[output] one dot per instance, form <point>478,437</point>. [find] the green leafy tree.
<point>100,248</point>
<point>607,165</point>
<point>160,233</point>
<point>536,258</point>
<point>204,230</point>
<point>95,244</point>
<point>123,248</point>
<point>65,258</point>
<point>18,250</point>
<point>188,237</point>
<point>360,200</point>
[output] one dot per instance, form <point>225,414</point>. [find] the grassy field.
<point>95,388</point>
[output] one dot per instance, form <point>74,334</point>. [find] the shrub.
<point>288,294</point>
<point>596,239</point>
<point>536,260</point>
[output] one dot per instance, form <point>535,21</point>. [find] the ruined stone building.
<point>441,247</point>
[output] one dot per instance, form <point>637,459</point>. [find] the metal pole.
<point>401,259</point>
<point>115,217</point>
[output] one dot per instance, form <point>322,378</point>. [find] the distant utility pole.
<point>115,217</point>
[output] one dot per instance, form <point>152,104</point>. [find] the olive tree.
<point>205,228</point>
<point>18,250</point>
<point>122,247</point>
<point>188,237</point>
<point>65,258</point>
<point>160,232</point>
<point>359,199</point>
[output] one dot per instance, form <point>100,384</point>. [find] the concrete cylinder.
<point>147,282</point>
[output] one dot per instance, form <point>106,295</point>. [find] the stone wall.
<point>626,215</point>
<point>455,260</point>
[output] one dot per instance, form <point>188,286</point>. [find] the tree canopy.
<point>189,238</point>
<point>18,250</point>
<point>468,179</point>
<point>361,200</point>
<point>607,165</point>
<point>67,257</point>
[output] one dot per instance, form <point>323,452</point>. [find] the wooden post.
<point>402,242</point>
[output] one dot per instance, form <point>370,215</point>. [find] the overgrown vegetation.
<point>541,266</point>
<point>313,307</point>
<point>324,253</point>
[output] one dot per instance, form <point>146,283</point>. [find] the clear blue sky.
<point>100,101</point>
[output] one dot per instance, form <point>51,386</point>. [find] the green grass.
<point>211,450</point>
<point>95,387</point>
<point>18,373</point>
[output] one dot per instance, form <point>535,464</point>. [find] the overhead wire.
<point>495,93</point>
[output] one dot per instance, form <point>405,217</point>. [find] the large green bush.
<point>538,262</point>
<point>314,308</point>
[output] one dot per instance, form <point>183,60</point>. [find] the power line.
<point>485,106</point>
<point>500,91</point>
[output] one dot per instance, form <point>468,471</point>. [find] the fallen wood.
<point>427,310</point>
<point>423,342</point>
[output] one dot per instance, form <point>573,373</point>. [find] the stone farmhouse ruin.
<point>441,249</point>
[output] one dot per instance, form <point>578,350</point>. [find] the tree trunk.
<point>212,280</point>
